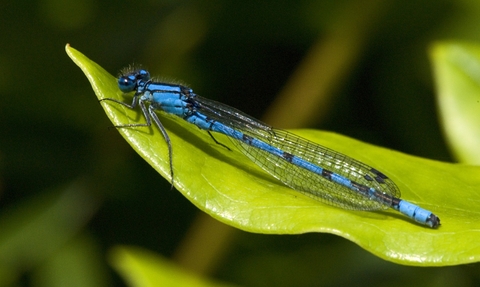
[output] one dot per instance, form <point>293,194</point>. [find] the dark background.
<point>55,143</point>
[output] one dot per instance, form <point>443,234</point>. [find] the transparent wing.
<point>296,177</point>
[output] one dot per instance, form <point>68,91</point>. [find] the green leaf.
<point>142,268</point>
<point>457,76</point>
<point>232,189</point>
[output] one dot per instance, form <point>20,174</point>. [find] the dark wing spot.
<point>380,177</point>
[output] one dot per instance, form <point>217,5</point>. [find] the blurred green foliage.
<point>56,137</point>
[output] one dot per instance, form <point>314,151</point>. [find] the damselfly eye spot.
<point>143,75</point>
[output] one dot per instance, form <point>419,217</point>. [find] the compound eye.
<point>127,83</point>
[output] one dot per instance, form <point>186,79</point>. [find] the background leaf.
<point>457,77</point>
<point>229,187</point>
<point>142,268</point>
